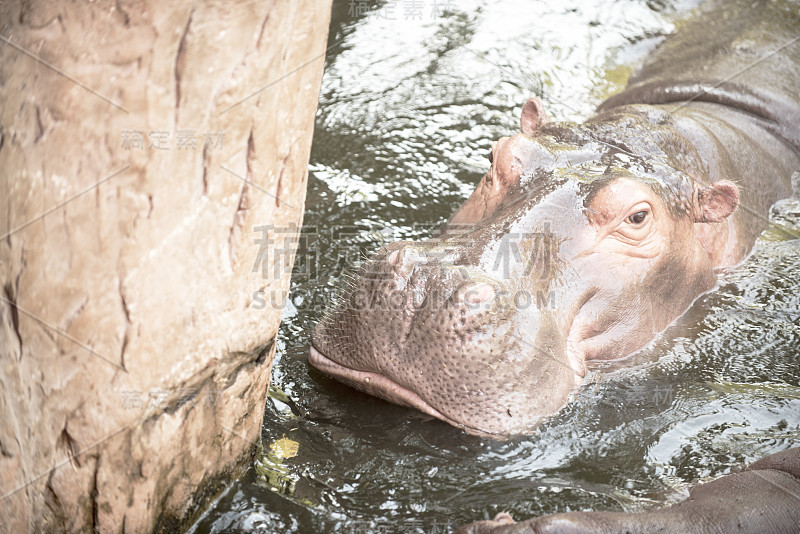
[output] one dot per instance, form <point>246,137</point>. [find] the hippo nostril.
<point>476,293</point>
<point>403,261</point>
<point>396,256</point>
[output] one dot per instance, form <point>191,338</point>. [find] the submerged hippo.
<point>763,498</point>
<point>583,241</point>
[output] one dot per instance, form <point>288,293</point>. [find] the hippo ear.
<point>533,116</point>
<point>715,202</point>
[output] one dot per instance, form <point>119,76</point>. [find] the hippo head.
<point>581,242</point>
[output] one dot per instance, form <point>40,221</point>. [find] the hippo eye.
<point>490,156</point>
<point>638,217</point>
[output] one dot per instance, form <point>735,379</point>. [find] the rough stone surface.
<point>133,362</point>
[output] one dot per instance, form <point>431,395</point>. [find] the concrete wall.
<point>134,362</point>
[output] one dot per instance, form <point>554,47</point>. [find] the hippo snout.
<point>422,327</point>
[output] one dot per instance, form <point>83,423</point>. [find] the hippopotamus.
<point>582,242</point>
<point>763,497</point>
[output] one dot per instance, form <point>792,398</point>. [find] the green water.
<point>408,111</point>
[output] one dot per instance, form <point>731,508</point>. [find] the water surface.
<point>408,111</point>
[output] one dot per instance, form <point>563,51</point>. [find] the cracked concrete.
<point>131,362</point>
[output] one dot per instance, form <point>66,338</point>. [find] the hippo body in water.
<point>762,498</point>
<point>583,242</point>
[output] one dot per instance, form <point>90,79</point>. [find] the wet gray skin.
<point>583,241</point>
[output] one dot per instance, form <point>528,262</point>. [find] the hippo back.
<point>747,59</point>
